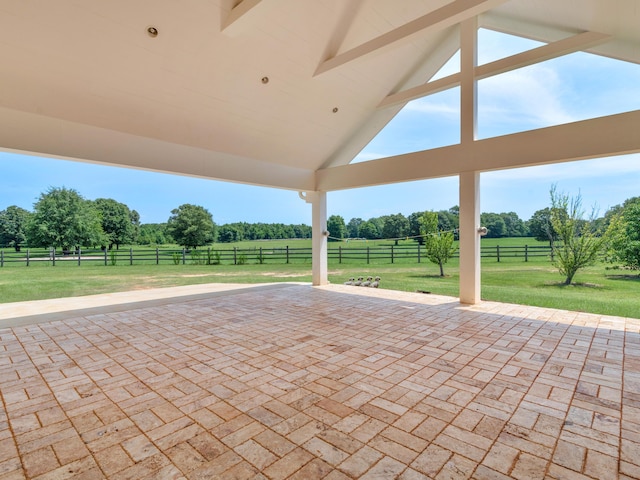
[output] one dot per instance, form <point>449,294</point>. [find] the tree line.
<point>63,219</point>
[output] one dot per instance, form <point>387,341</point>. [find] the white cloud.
<point>531,97</point>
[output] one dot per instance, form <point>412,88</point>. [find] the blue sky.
<point>571,88</point>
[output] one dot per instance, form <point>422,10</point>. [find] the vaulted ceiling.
<point>281,93</point>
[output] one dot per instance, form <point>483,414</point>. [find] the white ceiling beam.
<point>420,91</point>
<point>238,12</point>
<point>618,48</point>
<point>572,44</point>
<point>440,19</point>
<point>595,138</point>
<point>575,43</point>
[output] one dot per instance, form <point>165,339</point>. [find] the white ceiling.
<point>83,79</point>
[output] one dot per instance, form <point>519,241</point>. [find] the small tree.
<point>191,225</point>
<point>578,243</point>
<point>13,227</point>
<point>439,244</point>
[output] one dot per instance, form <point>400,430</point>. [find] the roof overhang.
<point>278,93</point>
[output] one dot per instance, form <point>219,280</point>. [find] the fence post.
<point>551,247</point>
<point>287,253</point>
<point>418,253</point>
<point>498,252</point>
<point>27,257</point>
<point>526,253</point>
<point>54,256</point>
<point>235,255</point>
<point>105,257</point>
<point>184,255</point>
<point>261,257</point>
<point>367,255</point>
<point>340,254</point>
<point>391,253</point>
<point>79,255</point>
<point>1,258</point>
<point>157,256</point>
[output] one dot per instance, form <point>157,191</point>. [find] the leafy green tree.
<point>395,227</point>
<point>496,227</point>
<point>515,227</point>
<point>117,222</point>
<point>540,227</point>
<point>368,230</point>
<point>379,224</point>
<point>302,231</point>
<point>578,244</point>
<point>229,234</point>
<point>154,233</point>
<point>336,227</point>
<point>438,243</point>
<point>626,243</point>
<point>191,225</point>
<point>63,218</point>
<point>13,227</point>
<point>353,226</point>
<point>135,222</point>
<point>414,227</point>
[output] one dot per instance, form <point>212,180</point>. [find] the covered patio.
<point>301,381</point>
<point>293,381</point>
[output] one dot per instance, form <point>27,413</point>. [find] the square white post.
<point>469,237</point>
<point>469,181</point>
<point>319,269</point>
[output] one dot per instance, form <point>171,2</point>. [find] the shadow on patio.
<point>336,382</point>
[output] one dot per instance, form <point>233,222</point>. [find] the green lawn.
<point>598,289</point>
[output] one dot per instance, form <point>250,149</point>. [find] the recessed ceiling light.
<point>265,79</point>
<point>335,109</point>
<point>152,31</point>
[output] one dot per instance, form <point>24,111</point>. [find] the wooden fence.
<point>239,256</point>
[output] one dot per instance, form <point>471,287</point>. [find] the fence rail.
<point>240,256</point>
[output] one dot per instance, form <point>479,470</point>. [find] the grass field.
<point>598,289</point>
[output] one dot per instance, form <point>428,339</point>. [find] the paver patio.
<point>330,382</point>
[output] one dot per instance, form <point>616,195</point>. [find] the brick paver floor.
<point>335,382</point>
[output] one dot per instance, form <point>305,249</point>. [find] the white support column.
<point>469,237</point>
<point>319,270</point>
<point>469,181</point>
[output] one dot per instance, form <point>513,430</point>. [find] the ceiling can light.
<point>152,31</point>
<point>335,109</point>
<point>265,80</point>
